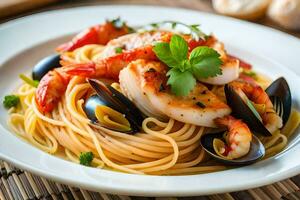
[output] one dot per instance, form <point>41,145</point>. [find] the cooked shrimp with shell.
<point>158,99</point>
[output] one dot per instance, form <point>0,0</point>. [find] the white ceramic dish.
<point>24,41</point>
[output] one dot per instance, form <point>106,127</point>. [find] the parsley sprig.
<point>86,158</point>
<point>119,23</point>
<point>193,29</point>
<point>10,101</point>
<point>185,68</point>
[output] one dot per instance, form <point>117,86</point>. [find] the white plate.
<point>24,41</point>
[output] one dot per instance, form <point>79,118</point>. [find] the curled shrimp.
<point>238,138</point>
<point>261,101</point>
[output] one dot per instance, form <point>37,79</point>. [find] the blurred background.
<point>280,14</point>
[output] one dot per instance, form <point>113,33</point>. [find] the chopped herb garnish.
<point>252,108</point>
<point>155,25</point>
<point>11,101</point>
<point>130,29</point>
<point>118,50</point>
<point>26,79</point>
<point>203,62</point>
<point>118,23</point>
<point>249,73</point>
<point>86,158</point>
<point>193,29</point>
<point>200,104</point>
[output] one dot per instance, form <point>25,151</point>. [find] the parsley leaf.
<point>203,62</point>
<point>179,48</point>
<point>206,62</point>
<point>163,52</point>
<point>11,101</point>
<point>181,82</point>
<point>117,22</point>
<point>85,158</point>
<point>118,50</point>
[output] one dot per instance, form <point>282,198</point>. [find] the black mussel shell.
<point>280,89</point>
<point>257,150</point>
<point>108,96</point>
<point>90,105</point>
<point>45,65</point>
<point>242,111</point>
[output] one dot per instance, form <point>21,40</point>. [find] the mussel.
<point>46,64</point>
<point>241,110</point>
<point>278,91</point>
<point>257,150</point>
<point>280,94</point>
<point>124,115</point>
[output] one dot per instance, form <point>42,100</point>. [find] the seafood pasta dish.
<point>159,99</point>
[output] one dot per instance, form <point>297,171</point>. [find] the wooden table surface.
<point>201,5</point>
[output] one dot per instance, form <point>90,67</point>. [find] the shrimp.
<point>238,138</point>
<point>262,102</point>
<point>55,82</point>
<point>136,46</point>
<point>230,66</point>
<point>50,88</point>
<point>98,34</point>
<point>144,82</point>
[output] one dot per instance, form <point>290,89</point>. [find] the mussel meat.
<point>111,109</point>
<point>256,152</point>
<point>46,64</point>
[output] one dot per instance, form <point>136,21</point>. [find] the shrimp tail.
<point>98,34</point>
<point>82,69</point>
<point>50,89</point>
<point>88,36</point>
<point>110,67</point>
<point>224,121</point>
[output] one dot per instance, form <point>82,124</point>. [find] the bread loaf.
<point>244,9</point>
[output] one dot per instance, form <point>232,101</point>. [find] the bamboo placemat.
<point>18,184</point>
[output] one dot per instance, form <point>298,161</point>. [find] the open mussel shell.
<point>242,111</point>
<point>45,65</point>
<point>256,152</point>
<point>281,90</point>
<point>110,97</point>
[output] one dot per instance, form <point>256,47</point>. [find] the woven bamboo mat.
<point>18,184</point>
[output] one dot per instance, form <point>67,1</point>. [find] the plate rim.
<point>136,192</point>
